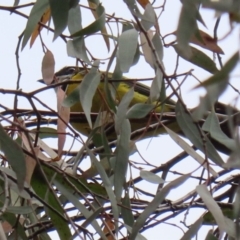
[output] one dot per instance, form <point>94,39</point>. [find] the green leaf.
<point>148,18</point>
<point>20,209</point>
<point>198,58</point>
<point>215,86</point>
<point>95,26</point>
<point>151,207</point>
<point>210,235</point>
<point>193,230</point>
<point>186,26</point>
<point>76,203</point>
<point>72,98</point>
<point>74,19</point>
<point>126,210</point>
<point>139,110</point>
<point>188,149</point>
<point>76,48</point>
<point>35,15</point>
<point>40,187</point>
<point>222,5</point>
<point>151,177</point>
<point>122,155</point>
<point>73,3</point>
<point>206,102</point>
<point>14,156</point>
<point>108,186</point>
<point>16,224</point>
<point>156,86</point>
<point>127,48</point>
<point>59,12</point>
<point>224,224</point>
<point>212,126</point>
<point>157,43</point>
<point>223,74</point>
<point>122,109</point>
<point>195,135</point>
<point>88,88</point>
<point>47,132</point>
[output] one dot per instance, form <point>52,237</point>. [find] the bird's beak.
<point>41,81</point>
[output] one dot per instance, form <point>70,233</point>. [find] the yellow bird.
<point>148,126</point>
<point>99,104</point>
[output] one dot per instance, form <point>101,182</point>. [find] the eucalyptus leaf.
<point>126,52</point>
<point>59,12</point>
<point>35,15</point>
<point>186,26</point>
<point>195,135</point>
<point>139,110</point>
<point>14,156</point>
<point>88,88</point>
<point>151,207</point>
<point>122,109</point>
<point>94,27</point>
<point>148,18</point>
<point>198,58</point>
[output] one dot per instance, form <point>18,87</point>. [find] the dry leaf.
<point>207,42</point>
<point>143,3</point>
<point>64,113</point>
<point>109,226</point>
<point>48,67</point>
<point>45,18</point>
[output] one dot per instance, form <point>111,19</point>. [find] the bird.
<point>163,113</point>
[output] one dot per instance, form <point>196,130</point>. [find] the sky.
<point>157,150</point>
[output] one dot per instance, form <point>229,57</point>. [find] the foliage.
<point>44,189</point>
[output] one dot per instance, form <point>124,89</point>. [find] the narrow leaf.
<point>151,177</point>
<point>190,151</point>
<point>193,230</point>
<point>14,156</point>
<point>44,19</point>
<point>35,15</point>
<point>104,29</point>
<point>74,19</point>
<point>198,58</point>
<point>212,206</point>
<point>149,17</point>
<point>88,88</point>
<point>94,27</point>
<point>122,109</point>
<point>186,27</point>
<point>160,196</point>
<point>107,185</point>
<point>139,110</point>
<point>147,51</point>
<point>123,151</point>
<point>156,86</point>
<point>126,52</point>
<point>75,201</point>
<point>59,10</point>
<point>223,74</point>
<point>212,126</point>
<point>195,135</point>
<point>76,48</point>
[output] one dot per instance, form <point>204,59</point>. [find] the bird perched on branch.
<point>147,126</point>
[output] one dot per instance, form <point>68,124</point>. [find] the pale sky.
<point>157,150</point>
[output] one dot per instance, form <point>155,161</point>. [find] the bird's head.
<point>66,74</point>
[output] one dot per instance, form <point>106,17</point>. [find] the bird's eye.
<point>70,70</point>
